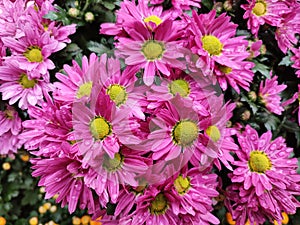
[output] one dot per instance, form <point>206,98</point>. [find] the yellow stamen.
<point>260,8</point>
<point>181,184</point>
<point>100,128</point>
<point>159,205</point>
<point>185,132</point>
<point>212,45</point>
<point>213,132</point>
<point>259,162</point>
<point>84,89</point>
<point>25,82</point>
<point>153,50</point>
<point>114,164</point>
<point>117,93</point>
<point>153,19</point>
<point>33,54</point>
<point>180,86</point>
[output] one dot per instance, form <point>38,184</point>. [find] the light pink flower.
<point>156,53</point>
<point>269,94</point>
<point>18,85</point>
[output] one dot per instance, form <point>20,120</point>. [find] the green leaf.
<point>98,48</point>
<point>286,61</point>
<point>263,69</point>
<point>207,3</point>
<point>51,15</point>
<point>109,5</point>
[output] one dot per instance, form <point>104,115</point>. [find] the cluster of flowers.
<point>139,144</point>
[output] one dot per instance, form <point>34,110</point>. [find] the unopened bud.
<point>252,96</point>
<point>73,12</point>
<point>89,17</point>
<point>246,115</point>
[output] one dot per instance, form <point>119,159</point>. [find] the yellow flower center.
<point>213,132</point>
<point>153,19</point>
<point>9,114</point>
<point>260,8</point>
<point>181,87</point>
<point>114,164</point>
<point>224,69</point>
<point>34,54</point>
<point>212,45</point>
<point>100,128</point>
<point>259,162</point>
<point>25,82</point>
<point>184,133</point>
<point>84,89</point>
<point>182,185</point>
<point>153,50</point>
<point>46,26</point>
<point>117,93</point>
<point>159,205</point>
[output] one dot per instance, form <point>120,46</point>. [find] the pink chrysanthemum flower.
<point>269,94</point>
<point>50,125</point>
<point>126,165</point>
<point>221,55</point>
<point>153,53</point>
<point>18,86</point>
<point>130,13</point>
<point>296,59</point>
<point>65,176</point>
<point>154,207</point>
<point>76,84</point>
<point>295,97</point>
<point>217,136</point>
<point>259,12</point>
<point>32,51</point>
<point>10,128</point>
<point>288,28</point>
<point>264,170</point>
<point>10,121</point>
<point>186,4</point>
<point>184,187</point>
<point>102,128</point>
<point>178,132</point>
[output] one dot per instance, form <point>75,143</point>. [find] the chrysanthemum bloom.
<point>184,187</point>
<point>269,94</point>
<point>296,59</point>
<point>154,206</point>
<point>58,32</point>
<point>178,132</point>
<point>10,121</point>
<point>266,174</point>
<point>110,173</point>
<point>32,51</point>
<point>217,136</point>
<point>50,125</point>
<point>76,84</point>
<point>153,53</point>
<point>288,28</point>
<point>295,97</point>
<point>185,4</point>
<point>18,86</point>
<point>65,176</point>
<point>10,128</point>
<point>130,13</point>
<point>194,92</point>
<point>102,128</point>
<point>221,55</point>
<point>259,12</point>
<point>120,87</point>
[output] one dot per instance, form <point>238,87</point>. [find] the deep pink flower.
<point>221,55</point>
<point>185,4</point>
<point>153,53</point>
<point>267,175</point>
<point>288,28</point>
<point>269,94</point>
<point>259,12</point>
<point>32,51</point>
<point>296,59</point>
<point>10,121</point>
<point>295,97</point>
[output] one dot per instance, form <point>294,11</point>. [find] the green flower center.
<point>159,205</point>
<point>117,93</point>
<point>260,8</point>
<point>25,82</point>
<point>182,185</point>
<point>153,19</point>
<point>84,89</point>
<point>212,45</point>
<point>153,50</point>
<point>213,132</point>
<point>33,54</point>
<point>100,128</point>
<point>184,133</point>
<point>259,162</point>
<point>114,164</point>
<point>224,69</point>
<point>181,87</point>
